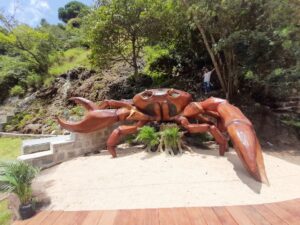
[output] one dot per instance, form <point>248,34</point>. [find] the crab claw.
<point>87,104</point>
<point>93,120</point>
<point>248,149</point>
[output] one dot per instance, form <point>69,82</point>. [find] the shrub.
<point>148,136</point>
<point>171,137</point>
<point>17,90</point>
<point>49,81</point>
<point>16,177</point>
<point>33,80</point>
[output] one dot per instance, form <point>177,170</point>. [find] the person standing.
<point>206,80</point>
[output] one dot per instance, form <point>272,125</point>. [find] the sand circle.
<point>137,179</point>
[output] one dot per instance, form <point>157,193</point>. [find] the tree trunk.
<point>211,54</point>
<point>134,56</point>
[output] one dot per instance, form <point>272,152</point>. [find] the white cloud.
<point>29,12</point>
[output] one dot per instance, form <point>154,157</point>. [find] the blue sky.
<point>32,11</point>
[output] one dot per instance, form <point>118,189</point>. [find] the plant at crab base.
<point>170,139</point>
<point>149,137</point>
<point>16,177</point>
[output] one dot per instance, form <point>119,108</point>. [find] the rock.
<point>33,128</point>
<point>13,205</point>
<point>85,74</point>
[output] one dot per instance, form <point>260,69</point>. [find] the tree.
<point>72,10</point>
<point>242,36</point>
<point>119,29</point>
<point>31,44</point>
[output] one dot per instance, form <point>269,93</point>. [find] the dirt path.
<point>143,180</point>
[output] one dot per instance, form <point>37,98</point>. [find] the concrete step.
<point>43,144</point>
<point>41,160</point>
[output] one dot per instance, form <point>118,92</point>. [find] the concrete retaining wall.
<point>47,152</point>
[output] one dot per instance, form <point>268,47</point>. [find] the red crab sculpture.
<point>175,105</point>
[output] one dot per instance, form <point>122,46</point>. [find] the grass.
<point>9,149</point>
<point>70,59</point>
<point>5,214</point>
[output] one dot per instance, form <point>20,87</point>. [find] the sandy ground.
<point>137,179</point>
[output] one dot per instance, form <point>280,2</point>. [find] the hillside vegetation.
<point>120,47</point>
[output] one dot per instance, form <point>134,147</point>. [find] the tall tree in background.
<point>246,37</point>
<point>72,10</point>
<point>31,44</point>
<point>119,29</point>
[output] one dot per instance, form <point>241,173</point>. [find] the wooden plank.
<point>166,217</point>
<point>195,216</point>
<point>224,216</point>
<point>38,218</point>
<point>181,217</point>
<point>21,222</point>
<point>52,217</point>
<point>108,217</point>
<point>238,215</point>
<point>292,207</point>
<point>92,217</point>
<point>125,217</point>
<point>151,217</point>
<point>147,217</point>
<point>67,218</point>
<point>255,216</point>
<point>209,216</point>
<point>269,215</point>
<point>282,213</point>
<point>80,217</point>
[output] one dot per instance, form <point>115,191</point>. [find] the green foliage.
<point>171,137</point>
<point>69,59</point>
<point>49,81</point>
<point>31,44</point>
<point>72,10</point>
<point>12,72</point>
<point>10,148</point>
<point>17,91</point>
<point>18,121</point>
<point>152,56</point>
<point>5,214</point>
<point>257,36</point>
<point>16,177</point>
<point>33,80</point>
<point>148,136</point>
<point>119,29</point>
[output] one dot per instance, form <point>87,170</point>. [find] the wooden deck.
<point>280,213</point>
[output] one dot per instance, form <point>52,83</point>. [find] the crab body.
<point>213,115</point>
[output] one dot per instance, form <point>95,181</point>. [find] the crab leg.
<point>242,134</point>
<point>201,128</point>
<point>118,133</point>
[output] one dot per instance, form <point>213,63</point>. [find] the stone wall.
<point>46,152</point>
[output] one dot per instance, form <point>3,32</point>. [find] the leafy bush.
<point>17,91</point>
<point>148,136</point>
<point>171,137</point>
<point>33,80</point>
<point>16,177</point>
<point>158,64</point>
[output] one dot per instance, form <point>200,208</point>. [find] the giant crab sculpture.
<point>165,105</point>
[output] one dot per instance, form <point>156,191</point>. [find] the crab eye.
<point>147,94</point>
<point>173,94</point>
